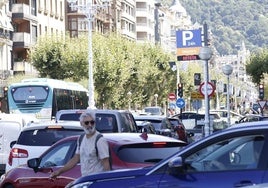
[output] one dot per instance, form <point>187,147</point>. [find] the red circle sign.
<point>210,89</point>
<point>172,96</point>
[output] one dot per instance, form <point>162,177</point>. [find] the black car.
<point>161,124</point>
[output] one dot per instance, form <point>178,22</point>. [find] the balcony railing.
<point>21,8</point>
<point>23,38</point>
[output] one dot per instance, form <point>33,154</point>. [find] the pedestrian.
<point>91,161</point>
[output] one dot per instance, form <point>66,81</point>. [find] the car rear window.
<point>70,116</point>
<point>45,137</point>
<point>149,152</point>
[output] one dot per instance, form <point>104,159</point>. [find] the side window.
<point>230,154</point>
<point>59,155</point>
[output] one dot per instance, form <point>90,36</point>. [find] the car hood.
<point>114,174</point>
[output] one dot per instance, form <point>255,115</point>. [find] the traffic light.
<point>5,92</point>
<point>261,91</point>
<point>180,89</point>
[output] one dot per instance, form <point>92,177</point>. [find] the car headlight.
<point>80,185</point>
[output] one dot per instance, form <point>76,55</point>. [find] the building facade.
<point>6,30</point>
<point>31,19</point>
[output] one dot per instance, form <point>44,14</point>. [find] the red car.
<point>128,150</point>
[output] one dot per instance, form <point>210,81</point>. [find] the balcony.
<point>22,11</point>
<point>127,16</point>
<point>21,40</point>
<point>128,34</point>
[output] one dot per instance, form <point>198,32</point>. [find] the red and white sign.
<point>172,96</point>
<point>210,89</point>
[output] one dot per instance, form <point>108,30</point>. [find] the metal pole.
<point>91,101</point>
<point>206,76</point>
<point>228,101</point>
<point>206,121</point>
<point>88,9</point>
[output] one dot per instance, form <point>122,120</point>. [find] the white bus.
<point>43,97</point>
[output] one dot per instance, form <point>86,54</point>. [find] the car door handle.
<point>243,183</point>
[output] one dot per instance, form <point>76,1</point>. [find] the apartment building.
<point>31,19</point>
<point>128,19</point>
<point>98,14</point>
<point>145,21</point>
<point>6,43</point>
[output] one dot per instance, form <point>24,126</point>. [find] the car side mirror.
<point>175,166</point>
<point>34,164</point>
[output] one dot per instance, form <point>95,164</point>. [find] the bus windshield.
<point>30,94</point>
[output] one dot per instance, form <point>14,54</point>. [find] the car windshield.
<point>153,110</point>
<point>45,137</point>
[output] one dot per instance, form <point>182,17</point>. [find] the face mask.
<point>89,130</point>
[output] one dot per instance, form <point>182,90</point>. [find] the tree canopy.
<point>120,67</point>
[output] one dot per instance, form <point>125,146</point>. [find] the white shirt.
<point>89,161</point>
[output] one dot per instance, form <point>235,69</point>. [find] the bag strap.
<point>96,140</point>
<point>96,147</point>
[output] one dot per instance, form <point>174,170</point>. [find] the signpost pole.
<point>205,55</point>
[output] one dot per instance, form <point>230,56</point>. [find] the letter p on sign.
<point>186,36</point>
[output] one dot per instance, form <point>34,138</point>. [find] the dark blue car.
<point>234,157</point>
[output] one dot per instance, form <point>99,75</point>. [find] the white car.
<point>10,128</point>
<point>233,115</point>
<point>38,137</point>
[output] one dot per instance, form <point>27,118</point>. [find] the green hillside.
<point>231,22</point>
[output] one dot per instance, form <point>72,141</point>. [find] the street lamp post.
<point>155,97</point>
<point>205,54</point>
<point>227,70</point>
<point>89,10</point>
<point>129,100</point>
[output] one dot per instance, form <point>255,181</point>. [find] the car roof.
<point>250,124</point>
<point>53,124</point>
<point>131,138</point>
<point>149,117</point>
<point>95,110</point>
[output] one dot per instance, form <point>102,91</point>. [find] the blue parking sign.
<point>188,38</point>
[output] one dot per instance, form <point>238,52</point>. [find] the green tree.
<point>257,66</point>
<point>120,66</point>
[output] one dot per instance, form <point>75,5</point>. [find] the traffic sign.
<point>262,104</point>
<point>188,44</point>
<point>196,95</point>
<point>197,104</point>
<point>180,103</point>
<point>172,105</point>
<point>172,96</point>
<point>210,88</point>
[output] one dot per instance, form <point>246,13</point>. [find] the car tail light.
<point>159,144</point>
<point>17,153</point>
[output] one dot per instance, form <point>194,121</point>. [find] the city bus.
<point>43,97</point>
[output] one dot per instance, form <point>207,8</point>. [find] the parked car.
<point>106,120</point>
<point>10,128</point>
<point>145,126</point>
<point>195,122</point>
<point>194,166</point>
<point>252,117</point>
<point>153,110</point>
<point>34,139</point>
<point>9,131</point>
<point>161,124</point>
<point>128,150</point>
<point>224,113</point>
